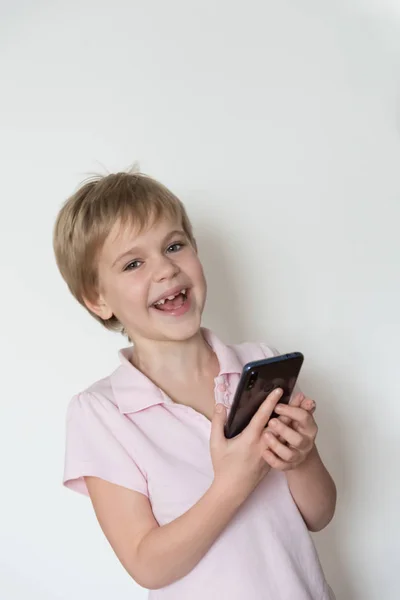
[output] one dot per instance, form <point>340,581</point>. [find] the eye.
<point>175,247</point>
<point>132,266</point>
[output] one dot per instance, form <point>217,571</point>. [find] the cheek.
<point>128,293</point>
<point>203,278</point>
<point>198,271</point>
<point>200,281</point>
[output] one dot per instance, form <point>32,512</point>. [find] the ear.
<point>99,307</point>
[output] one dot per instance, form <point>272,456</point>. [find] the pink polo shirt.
<point>124,429</point>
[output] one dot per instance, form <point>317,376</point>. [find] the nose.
<point>165,269</point>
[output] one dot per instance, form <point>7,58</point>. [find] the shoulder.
<point>98,398</point>
<point>249,351</point>
<point>99,441</point>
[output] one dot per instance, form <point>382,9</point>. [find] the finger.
<point>284,420</point>
<point>260,419</point>
<point>309,405</point>
<point>297,400</point>
<point>280,450</point>
<point>276,463</point>
<point>299,415</point>
<point>217,435</point>
<point>287,434</point>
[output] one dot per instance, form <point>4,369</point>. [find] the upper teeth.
<point>170,297</point>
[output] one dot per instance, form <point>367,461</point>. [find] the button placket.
<point>222,389</point>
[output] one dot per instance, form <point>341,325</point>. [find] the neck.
<point>191,359</point>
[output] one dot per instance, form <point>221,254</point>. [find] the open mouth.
<point>172,303</point>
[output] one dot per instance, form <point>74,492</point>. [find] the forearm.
<point>170,552</point>
<point>313,491</point>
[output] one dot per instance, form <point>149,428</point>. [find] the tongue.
<point>172,304</point>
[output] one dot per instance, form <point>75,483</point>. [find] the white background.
<point>278,124</point>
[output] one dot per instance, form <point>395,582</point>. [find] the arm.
<point>313,491</point>
<point>157,556</point>
<point>292,449</point>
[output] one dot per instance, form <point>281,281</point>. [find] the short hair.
<point>87,217</point>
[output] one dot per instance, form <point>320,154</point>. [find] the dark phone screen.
<point>258,380</point>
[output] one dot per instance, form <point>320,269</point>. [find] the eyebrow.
<point>136,250</point>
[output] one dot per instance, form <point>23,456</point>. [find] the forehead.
<point>124,236</point>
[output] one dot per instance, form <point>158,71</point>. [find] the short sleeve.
<point>269,351</point>
<point>93,449</point>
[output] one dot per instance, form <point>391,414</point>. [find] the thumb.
<point>217,425</point>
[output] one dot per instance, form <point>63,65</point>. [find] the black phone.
<point>258,379</point>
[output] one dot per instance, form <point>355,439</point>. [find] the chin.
<point>183,328</point>
<point>182,331</point>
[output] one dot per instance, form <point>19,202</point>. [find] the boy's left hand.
<point>291,437</point>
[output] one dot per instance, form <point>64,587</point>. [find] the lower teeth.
<point>160,307</point>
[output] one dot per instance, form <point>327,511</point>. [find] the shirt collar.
<point>133,391</point>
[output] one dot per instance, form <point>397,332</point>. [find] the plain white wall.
<point>278,125</point>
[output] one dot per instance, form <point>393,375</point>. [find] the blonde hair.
<point>86,219</point>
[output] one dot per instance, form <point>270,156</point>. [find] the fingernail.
<point>273,423</point>
<point>278,392</point>
<point>278,408</point>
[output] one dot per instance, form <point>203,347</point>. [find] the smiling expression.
<point>142,275</point>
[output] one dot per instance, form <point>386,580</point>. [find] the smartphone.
<point>258,379</point>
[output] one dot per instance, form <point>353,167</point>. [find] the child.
<point>190,514</point>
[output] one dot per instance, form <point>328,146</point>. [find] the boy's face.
<point>138,269</point>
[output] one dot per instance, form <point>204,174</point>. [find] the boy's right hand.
<point>238,462</point>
